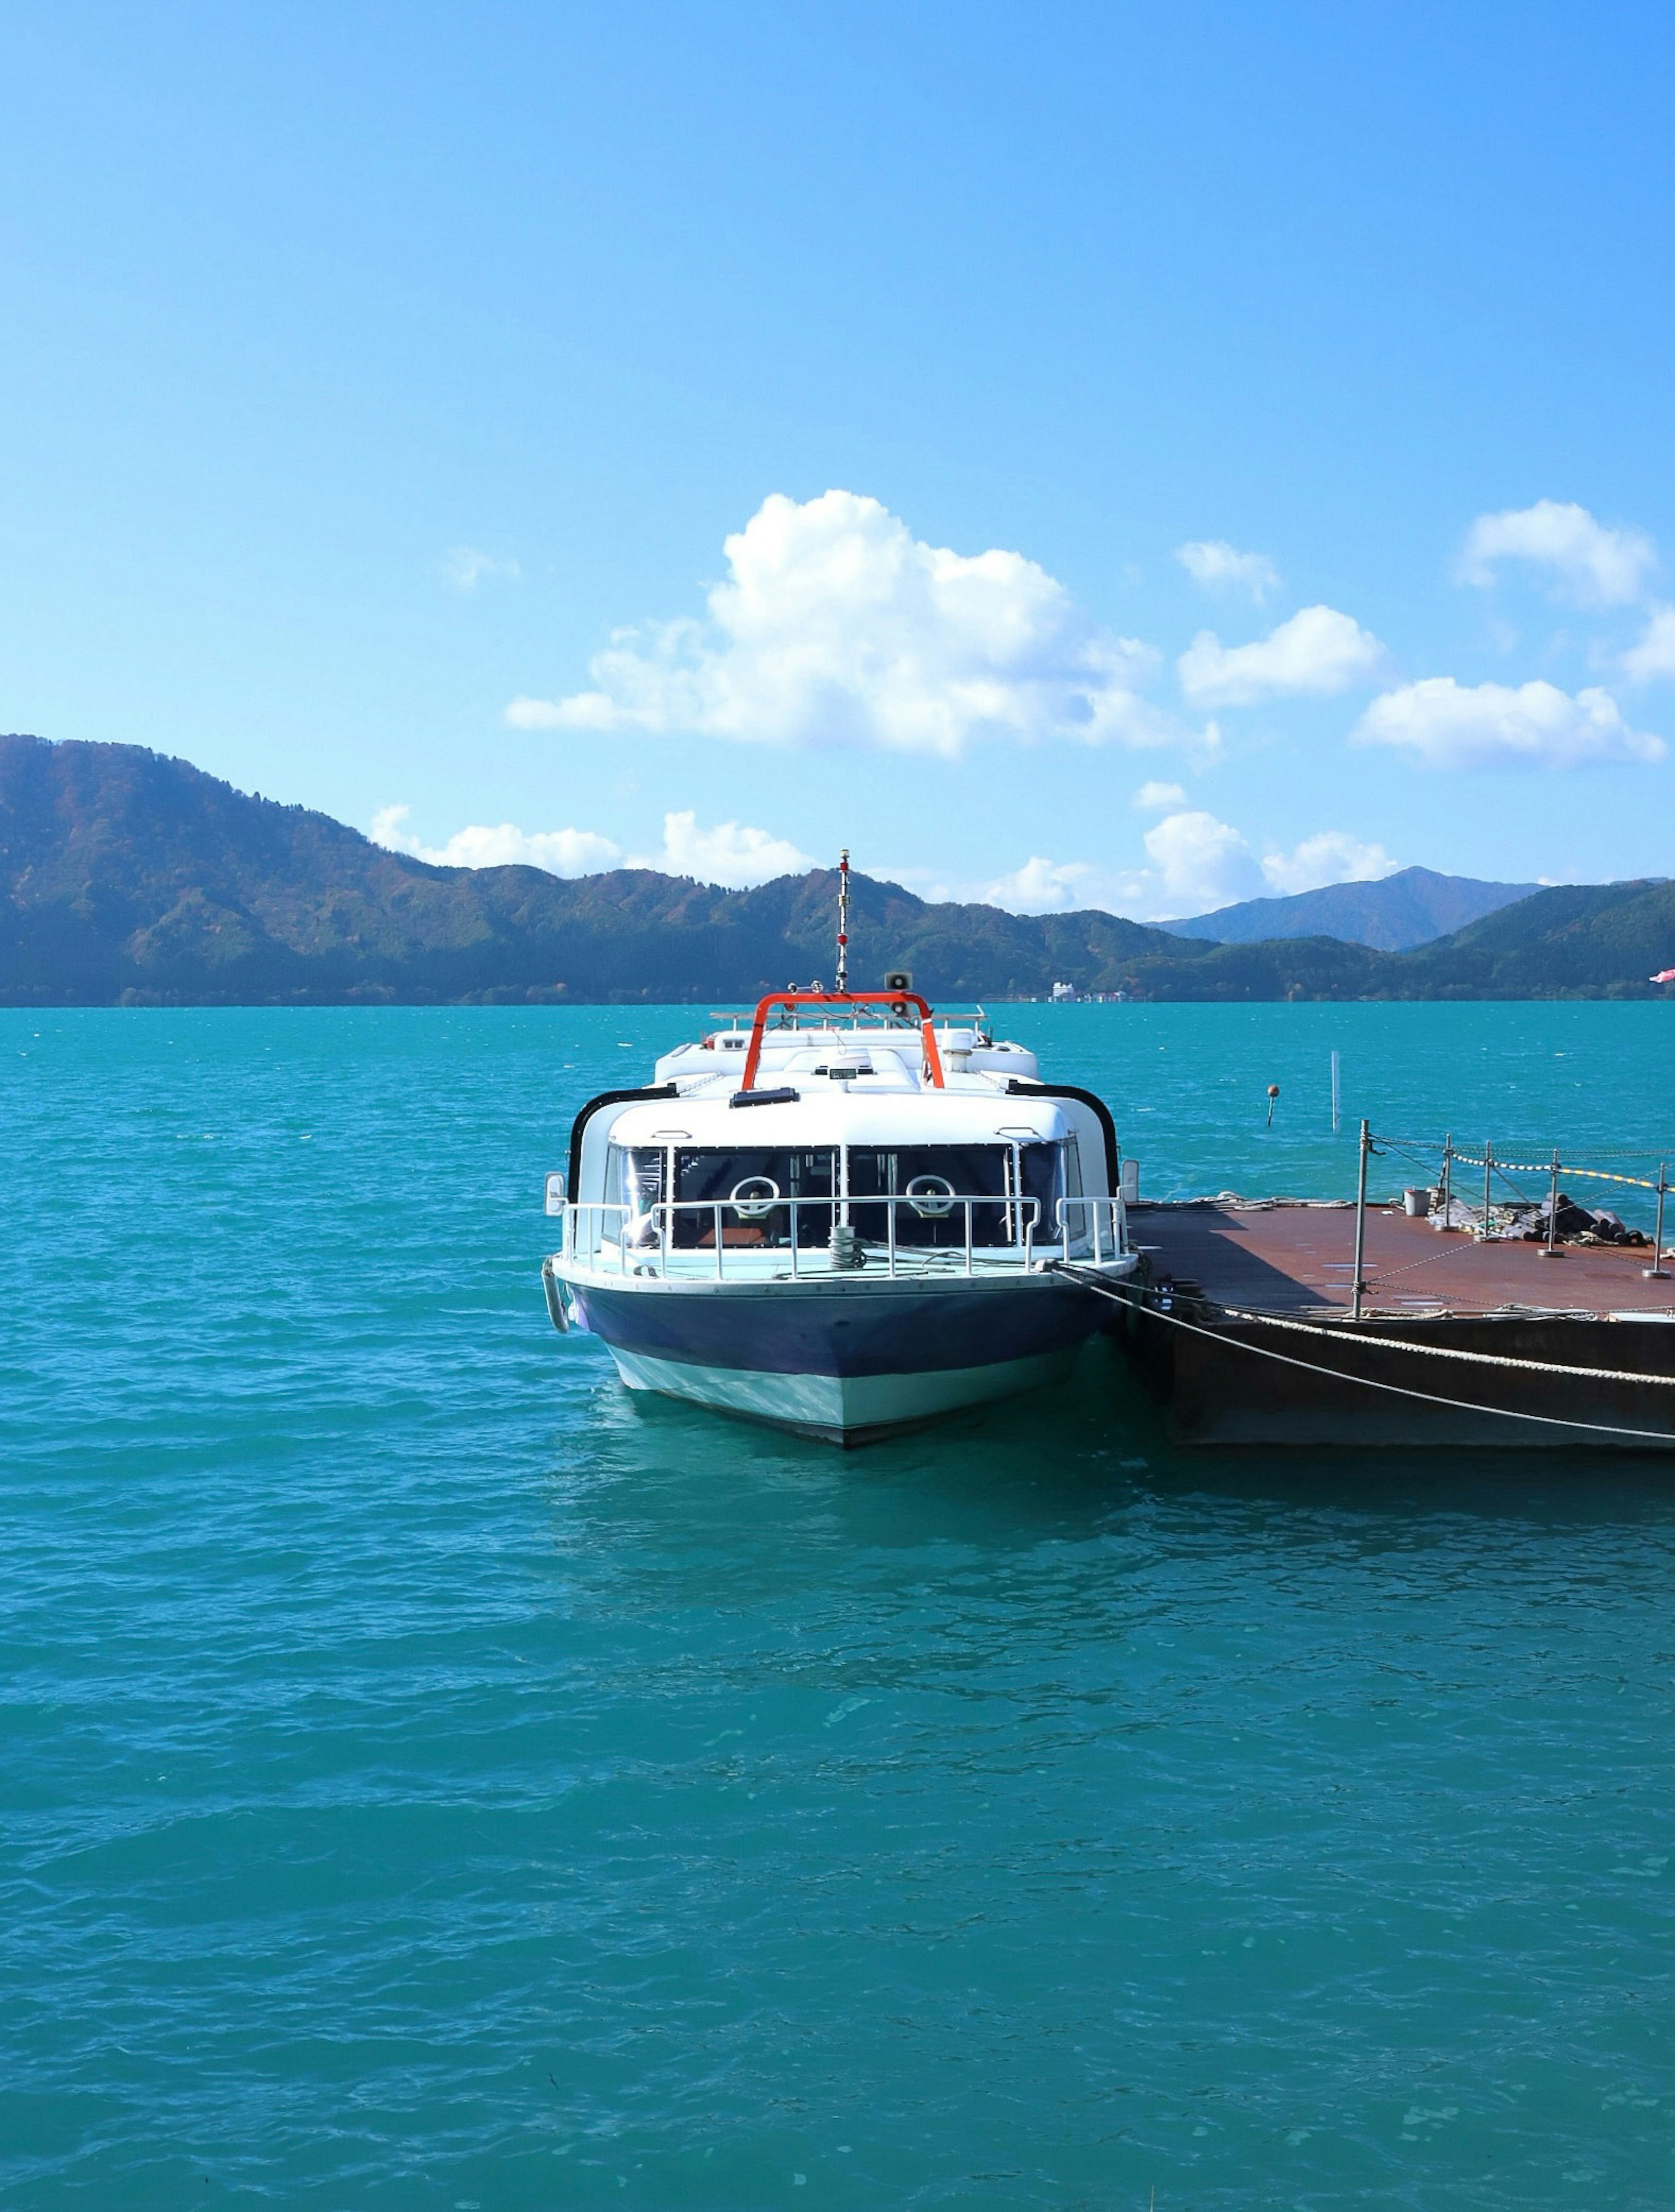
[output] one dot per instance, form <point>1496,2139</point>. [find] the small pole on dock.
<point>1334,1095</point>
<point>1361,1220</point>
<point>1447,1178</point>
<point>1488,1170</point>
<point>1657,1273</point>
<point>1551,1250</point>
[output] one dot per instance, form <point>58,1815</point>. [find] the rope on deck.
<point>1661,1437</point>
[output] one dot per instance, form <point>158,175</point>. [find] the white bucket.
<point>1416,1202</point>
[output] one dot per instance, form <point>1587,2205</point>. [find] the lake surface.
<point>430,1778</point>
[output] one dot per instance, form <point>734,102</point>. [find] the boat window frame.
<point>1028,1215</point>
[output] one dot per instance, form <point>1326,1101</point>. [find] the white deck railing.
<point>609,1238</point>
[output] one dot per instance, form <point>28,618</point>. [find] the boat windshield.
<point>926,1176</point>
<point>748,1179</point>
<point>755,1184</point>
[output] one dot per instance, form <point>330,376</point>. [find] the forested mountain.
<point>129,878</point>
<point>1394,914</point>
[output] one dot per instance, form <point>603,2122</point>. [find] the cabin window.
<point>1042,1168</point>
<point>924,1176</point>
<point>634,1178</point>
<point>754,1185</point>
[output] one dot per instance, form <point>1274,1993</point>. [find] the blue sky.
<point>438,409</point>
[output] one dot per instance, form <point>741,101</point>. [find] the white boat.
<point>846,1218</point>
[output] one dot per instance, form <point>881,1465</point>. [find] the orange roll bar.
<point>926,1029</point>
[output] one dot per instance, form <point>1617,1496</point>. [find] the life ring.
<point>754,1198</point>
<point>931,1196</point>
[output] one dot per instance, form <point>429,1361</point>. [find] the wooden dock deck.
<point>1228,1379</point>
<point>1286,1257</point>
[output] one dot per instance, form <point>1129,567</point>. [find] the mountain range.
<point>128,877</point>
<point>1393,913</point>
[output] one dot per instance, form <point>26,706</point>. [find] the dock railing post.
<point>1657,1273</point>
<point>1447,1178</point>
<point>1488,1170</point>
<point>1551,1251</point>
<point>1361,1221</point>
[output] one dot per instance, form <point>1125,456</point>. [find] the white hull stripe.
<point>841,1407</point>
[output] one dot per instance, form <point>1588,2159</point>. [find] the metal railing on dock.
<point>1515,1216</point>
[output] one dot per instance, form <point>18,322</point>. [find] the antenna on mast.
<point>843,920</point>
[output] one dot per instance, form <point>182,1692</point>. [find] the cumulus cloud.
<point>1332,857</point>
<point>728,853</point>
<point>1585,560</point>
<point>731,853</point>
<point>1152,798</point>
<point>560,852</point>
<point>465,567</point>
<point>1213,562</point>
<point>1318,651</point>
<point>1042,886</point>
<point>1654,655</point>
<point>834,625</point>
<point>1198,863</point>
<point>1448,725</point>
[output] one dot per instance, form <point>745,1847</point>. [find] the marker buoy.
<point>1273,1094</point>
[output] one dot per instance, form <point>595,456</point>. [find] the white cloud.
<point>465,567</point>
<point>1213,562</point>
<point>1318,650</point>
<point>1332,857</point>
<point>731,854</point>
<point>560,852</point>
<point>1588,562</point>
<point>728,853</point>
<point>1041,886</point>
<point>1655,653</point>
<point>1151,797</point>
<point>834,625</point>
<point>1448,725</point>
<point>1198,863</point>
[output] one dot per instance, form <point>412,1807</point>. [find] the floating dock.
<point>1245,1324</point>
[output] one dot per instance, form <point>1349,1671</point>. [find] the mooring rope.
<point>1446,1351</point>
<point>1394,1389</point>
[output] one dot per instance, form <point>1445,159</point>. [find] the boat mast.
<point>843,921</point>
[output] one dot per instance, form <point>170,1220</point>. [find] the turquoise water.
<point>430,1778</point>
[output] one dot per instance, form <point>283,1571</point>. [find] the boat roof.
<point>825,1111</point>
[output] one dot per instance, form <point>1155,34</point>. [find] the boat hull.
<point>846,1362</point>
<point>842,1409</point>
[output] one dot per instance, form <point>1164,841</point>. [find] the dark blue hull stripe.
<point>900,1334</point>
